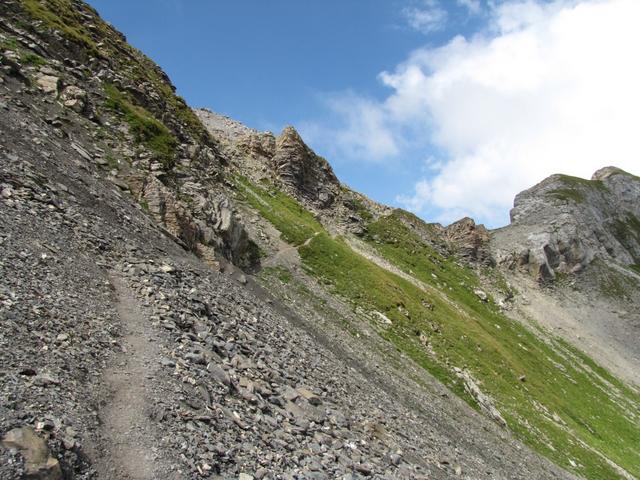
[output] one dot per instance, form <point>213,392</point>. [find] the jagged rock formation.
<point>471,241</point>
<point>286,158</point>
<point>303,171</point>
<point>562,224</point>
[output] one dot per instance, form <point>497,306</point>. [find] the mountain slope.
<point>582,237</point>
<point>368,344</point>
<point>422,288</point>
<point>437,315</point>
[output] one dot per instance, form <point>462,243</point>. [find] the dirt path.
<point>128,447</point>
<point>288,256</point>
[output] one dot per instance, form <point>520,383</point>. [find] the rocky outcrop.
<point>286,161</point>
<point>470,241</point>
<point>560,225</point>
<point>205,221</point>
<point>303,171</point>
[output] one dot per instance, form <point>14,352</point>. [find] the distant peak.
<point>606,172</point>
<point>290,133</point>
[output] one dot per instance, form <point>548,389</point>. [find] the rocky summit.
<point>183,297</point>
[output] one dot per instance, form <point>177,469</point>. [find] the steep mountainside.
<point>562,224</point>
<point>184,297</point>
<point>582,237</point>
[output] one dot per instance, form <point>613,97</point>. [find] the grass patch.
<point>575,188</point>
<point>30,58</point>
<point>294,222</point>
<point>9,43</point>
<point>583,182</point>
<point>360,209</point>
<point>26,57</point>
<point>148,131</point>
<point>567,194</point>
<point>462,331</point>
<point>282,274</point>
<point>62,16</point>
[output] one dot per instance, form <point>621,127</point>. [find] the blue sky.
<point>444,107</point>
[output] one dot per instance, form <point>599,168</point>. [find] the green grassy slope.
<point>552,396</point>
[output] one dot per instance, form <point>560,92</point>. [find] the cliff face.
<point>562,224</point>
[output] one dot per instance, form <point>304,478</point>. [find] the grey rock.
<point>74,97</point>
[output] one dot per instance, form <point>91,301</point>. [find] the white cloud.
<point>427,17</point>
<point>363,132</point>
<point>474,6</point>
<point>549,87</point>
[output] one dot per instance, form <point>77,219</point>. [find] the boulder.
<point>48,83</point>
<point>39,464</point>
<point>471,241</point>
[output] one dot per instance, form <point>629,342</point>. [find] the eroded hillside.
<point>184,297</point>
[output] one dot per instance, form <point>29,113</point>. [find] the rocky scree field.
<point>136,343</point>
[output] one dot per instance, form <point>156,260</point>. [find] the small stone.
<point>309,396</point>
<point>167,362</point>
<point>481,294</point>
<point>197,358</point>
<point>74,98</point>
<point>167,268</point>
<point>62,337</point>
<point>45,379</point>
<point>219,374</point>
<point>364,469</point>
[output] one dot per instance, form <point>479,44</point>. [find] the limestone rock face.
<point>257,144</point>
<point>301,169</point>
<point>470,240</point>
<point>206,223</point>
<point>563,223</point>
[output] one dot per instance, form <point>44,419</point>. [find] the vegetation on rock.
<point>147,130</point>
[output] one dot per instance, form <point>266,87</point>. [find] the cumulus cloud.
<point>548,87</point>
<point>428,16</point>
